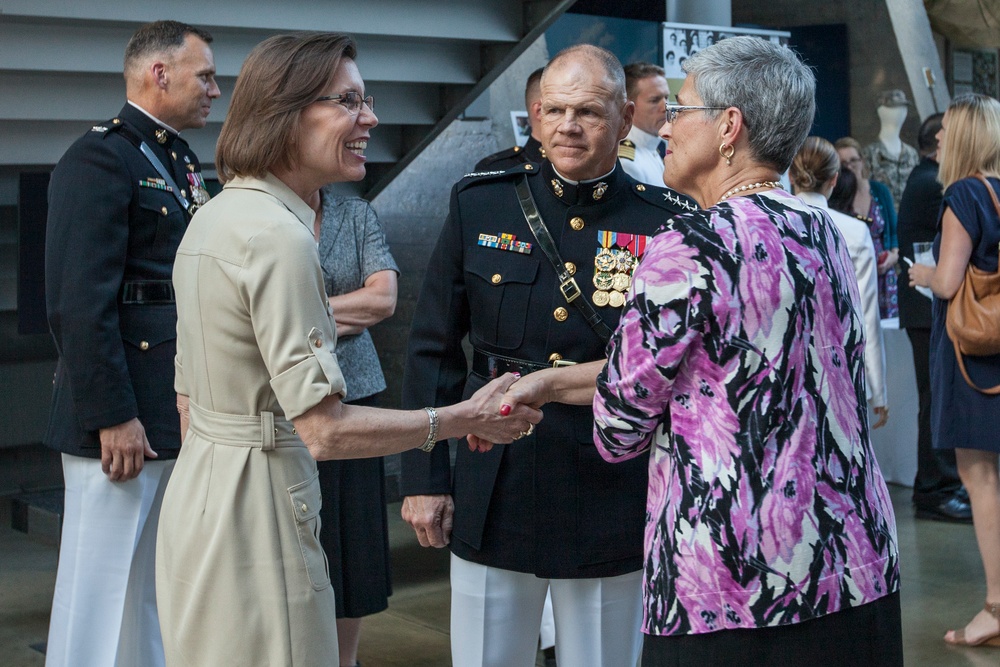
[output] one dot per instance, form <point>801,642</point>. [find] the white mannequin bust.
<point>891,119</point>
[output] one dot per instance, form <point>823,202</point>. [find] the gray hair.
<point>768,83</point>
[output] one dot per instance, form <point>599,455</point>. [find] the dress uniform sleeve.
<point>436,367</point>
<point>85,253</point>
<point>282,286</point>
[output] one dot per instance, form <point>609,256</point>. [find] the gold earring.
<point>728,156</point>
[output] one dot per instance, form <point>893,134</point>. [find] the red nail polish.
<point>504,410</point>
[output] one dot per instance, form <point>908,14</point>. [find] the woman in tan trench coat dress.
<point>241,576</point>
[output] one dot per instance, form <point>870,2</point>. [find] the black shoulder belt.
<point>158,166</point>
<point>567,284</point>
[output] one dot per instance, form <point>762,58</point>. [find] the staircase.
<point>425,62</point>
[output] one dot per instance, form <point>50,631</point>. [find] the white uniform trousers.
<point>104,607</point>
<point>495,616</point>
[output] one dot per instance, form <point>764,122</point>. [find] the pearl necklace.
<point>749,186</point>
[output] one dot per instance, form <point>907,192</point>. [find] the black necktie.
<point>661,148</point>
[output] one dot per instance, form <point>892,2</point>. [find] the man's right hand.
<point>431,518</point>
<point>123,448</point>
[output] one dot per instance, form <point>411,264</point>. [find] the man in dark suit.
<point>119,202</point>
<point>532,150</point>
<point>937,490</point>
<point>545,511</point>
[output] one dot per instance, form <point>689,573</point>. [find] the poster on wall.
<point>683,40</point>
<point>522,128</point>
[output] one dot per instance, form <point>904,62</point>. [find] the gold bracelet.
<point>432,433</point>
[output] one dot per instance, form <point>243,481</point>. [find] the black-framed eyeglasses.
<point>674,109</point>
<point>350,100</point>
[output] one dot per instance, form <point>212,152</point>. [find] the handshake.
<point>513,404</point>
<point>498,418</point>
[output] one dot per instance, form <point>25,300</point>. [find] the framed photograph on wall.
<point>683,40</point>
<point>521,127</point>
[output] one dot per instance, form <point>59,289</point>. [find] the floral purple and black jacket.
<point>739,363</point>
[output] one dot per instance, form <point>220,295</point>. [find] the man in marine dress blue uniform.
<point>115,220</point>
<point>641,152</point>
<point>546,510</point>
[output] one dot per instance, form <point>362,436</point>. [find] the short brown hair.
<point>636,72</point>
<point>851,142</point>
<point>159,37</point>
<point>281,76</point>
<point>971,138</point>
<point>815,164</point>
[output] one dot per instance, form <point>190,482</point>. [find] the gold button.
<point>144,345</point>
<point>305,508</point>
<point>163,210</point>
<point>528,167</point>
<point>117,121</point>
<point>496,278</point>
<point>319,342</point>
<point>173,154</point>
<point>184,193</point>
<point>576,224</point>
<point>561,314</point>
<point>640,187</point>
<point>570,268</point>
<point>555,356</point>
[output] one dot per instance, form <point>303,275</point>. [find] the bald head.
<point>590,56</point>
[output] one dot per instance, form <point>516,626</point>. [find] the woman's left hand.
<point>920,275</point>
<point>882,412</point>
<point>891,260</point>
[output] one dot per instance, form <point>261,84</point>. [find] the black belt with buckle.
<point>147,291</point>
<point>495,365</point>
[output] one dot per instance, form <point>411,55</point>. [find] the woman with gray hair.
<point>738,366</point>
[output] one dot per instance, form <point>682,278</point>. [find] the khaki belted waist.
<point>265,430</point>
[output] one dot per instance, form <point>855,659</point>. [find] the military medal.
<point>623,261</point>
<point>614,264</point>
<point>605,260</point>
<point>198,191</point>
<point>603,280</point>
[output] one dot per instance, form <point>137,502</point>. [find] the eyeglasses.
<point>674,109</point>
<point>350,100</point>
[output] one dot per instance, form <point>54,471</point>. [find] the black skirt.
<point>355,532</point>
<point>867,635</point>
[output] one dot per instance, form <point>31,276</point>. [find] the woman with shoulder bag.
<point>963,417</point>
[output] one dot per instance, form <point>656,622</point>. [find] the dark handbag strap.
<point>567,283</point>
<point>992,391</point>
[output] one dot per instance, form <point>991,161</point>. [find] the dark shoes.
<point>955,509</point>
